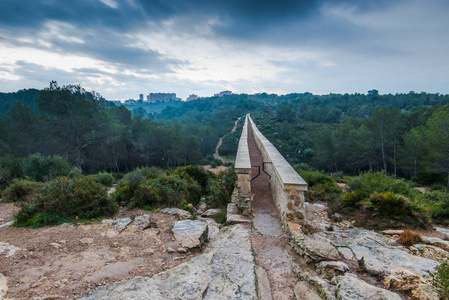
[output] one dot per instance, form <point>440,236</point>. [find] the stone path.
<point>226,270</point>
<point>270,246</point>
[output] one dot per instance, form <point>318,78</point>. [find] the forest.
<point>403,135</point>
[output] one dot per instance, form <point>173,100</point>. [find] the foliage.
<point>390,210</point>
<point>370,182</point>
<point>438,202</point>
<point>314,177</point>
<point>408,238</point>
<point>105,178</point>
<point>321,187</point>
<point>63,200</point>
<point>10,167</point>
<point>221,188</point>
<point>440,279</point>
<point>22,190</point>
<point>153,187</point>
<point>42,168</point>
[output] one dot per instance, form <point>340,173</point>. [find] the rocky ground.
<point>166,255</point>
<point>67,261</point>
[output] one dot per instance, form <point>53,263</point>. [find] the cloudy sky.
<point>121,48</point>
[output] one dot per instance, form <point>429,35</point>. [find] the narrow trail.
<point>270,246</point>
<point>220,141</point>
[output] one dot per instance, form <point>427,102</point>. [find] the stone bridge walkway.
<point>269,243</point>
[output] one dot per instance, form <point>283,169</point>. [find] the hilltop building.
<point>192,97</point>
<point>141,97</point>
<point>221,94</point>
<point>162,97</point>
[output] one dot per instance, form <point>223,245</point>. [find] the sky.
<point>123,48</point>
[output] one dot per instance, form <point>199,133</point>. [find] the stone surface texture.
<point>180,214</point>
<point>286,184</point>
<point>226,270</point>
<point>350,287</point>
<point>375,254</point>
<point>190,233</point>
<point>211,212</point>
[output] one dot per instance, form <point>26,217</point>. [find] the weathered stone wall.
<point>243,170</point>
<point>287,186</point>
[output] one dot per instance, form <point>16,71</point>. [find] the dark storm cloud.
<point>239,16</point>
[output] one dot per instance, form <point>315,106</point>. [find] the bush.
<point>439,206</point>
<point>10,168</point>
<point>440,279</point>
<point>378,182</point>
<point>314,177</point>
<point>408,238</point>
<point>152,187</point>
<point>146,195</point>
<point>390,210</point>
<point>21,191</point>
<point>45,168</point>
<point>104,178</point>
<point>353,198</point>
<point>393,205</point>
<point>63,200</point>
<point>221,188</point>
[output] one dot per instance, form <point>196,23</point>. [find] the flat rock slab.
<point>436,242</point>
<point>8,249</point>
<point>350,287</point>
<point>191,234</point>
<point>226,270</point>
<point>443,230</point>
<point>180,214</point>
<point>232,219</point>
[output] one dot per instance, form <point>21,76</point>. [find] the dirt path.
<point>271,248</point>
<point>220,141</point>
<point>66,261</point>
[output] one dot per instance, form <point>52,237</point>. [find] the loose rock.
<point>211,212</point>
<point>191,234</point>
<point>180,214</point>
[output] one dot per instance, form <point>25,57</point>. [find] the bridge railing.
<point>287,185</point>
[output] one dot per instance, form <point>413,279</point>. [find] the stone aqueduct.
<point>287,186</point>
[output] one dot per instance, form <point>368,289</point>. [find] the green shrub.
<point>10,167</point>
<point>45,168</point>
<point>439,279</point>
<point>221,187</point>
<point>314,177</point>
<point>378,182</point>
<point>21,190</point>
<point>147,194</point>
<point>353,198</point>
<point>393,205</point>
<point>104,178</point>
<point>439,206</point>
<point>64,199</point>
